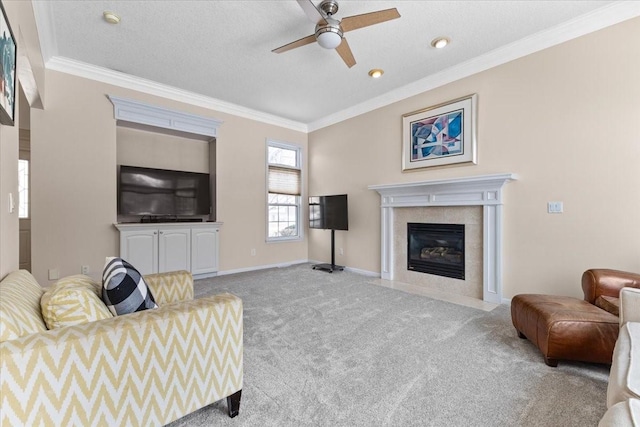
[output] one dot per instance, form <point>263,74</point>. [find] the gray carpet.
<point>332,350</point>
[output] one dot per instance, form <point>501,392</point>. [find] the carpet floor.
<point>334,350</point>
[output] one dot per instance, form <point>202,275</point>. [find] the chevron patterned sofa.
<point>141,369</point>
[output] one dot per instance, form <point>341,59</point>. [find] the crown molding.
<point>116,78</point>
<point>598,19</point>
<point>46,33</point>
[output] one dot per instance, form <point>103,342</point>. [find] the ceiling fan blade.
<point>310,9</point>
<point>351,23</point>
<point>345,53</point>
<point>298,43</point>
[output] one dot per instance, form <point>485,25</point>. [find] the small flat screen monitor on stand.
<point>329,213</point>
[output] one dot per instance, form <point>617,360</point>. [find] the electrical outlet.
<point>341,251</point>
<point>54,274</point>
<point>85,270</point>
<point>555,207</point>
<point>253,251</point>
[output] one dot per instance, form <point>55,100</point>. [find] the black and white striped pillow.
<point>123,288</point>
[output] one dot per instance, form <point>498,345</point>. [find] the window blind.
<point>284,180</point>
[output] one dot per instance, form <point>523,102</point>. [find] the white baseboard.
<point>351,269</point>
<point>506,301</point>
<point>204,276</point>
<point>262,267</point>
<point>363,272</point>
<point>284,264</point>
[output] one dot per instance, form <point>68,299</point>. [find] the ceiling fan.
<point>329,31</point>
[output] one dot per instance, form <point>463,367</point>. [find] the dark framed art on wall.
<point>8,52</point>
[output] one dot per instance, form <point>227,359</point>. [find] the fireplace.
<point>480,190</point>
<point>436,249</point>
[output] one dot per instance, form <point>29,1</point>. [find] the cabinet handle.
<point>161,232</point>
<point>155,232</point>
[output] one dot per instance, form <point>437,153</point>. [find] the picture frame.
<point>8,56</point>
<point>440,135</point>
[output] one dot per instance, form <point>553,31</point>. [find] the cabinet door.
<point>140,249</point>
<point>204,250</point>
<point>174,250</point>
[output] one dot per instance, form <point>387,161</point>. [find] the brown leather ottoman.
<point>565,328</point>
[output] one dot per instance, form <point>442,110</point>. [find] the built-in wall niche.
<point>159,138</point>
<point>147,149</point>
<point>156,150</point>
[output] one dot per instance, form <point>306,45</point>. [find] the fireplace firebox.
<point>436,249</point>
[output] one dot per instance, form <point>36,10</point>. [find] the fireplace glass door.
<point>436,249</point>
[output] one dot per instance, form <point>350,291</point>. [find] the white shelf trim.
<point>132,111</point>
<point>126,226</point>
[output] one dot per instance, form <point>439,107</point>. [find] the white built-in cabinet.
<point>162,247</point>
<point>204,242</point>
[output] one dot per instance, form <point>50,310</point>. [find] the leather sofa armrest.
<point>170,287</point>
<point>600,281</point>
<point>629,305</point>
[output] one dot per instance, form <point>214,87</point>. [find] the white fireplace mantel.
<point>481,190</point>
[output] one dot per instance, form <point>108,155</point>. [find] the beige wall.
<point>74,159</point>
<point>9,237</point>
<point>565,119</point>
<point>156,150</point>
<point>20,18</point>
<point>241,202</point>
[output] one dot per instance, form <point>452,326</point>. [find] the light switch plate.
<point>555,207</point>
<point>54,274</point>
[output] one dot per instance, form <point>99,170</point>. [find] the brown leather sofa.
<point>566,328</point>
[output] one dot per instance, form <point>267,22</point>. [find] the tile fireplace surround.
<point>480,190</point>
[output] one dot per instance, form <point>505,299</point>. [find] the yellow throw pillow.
<point>20,306</point>
<point>72,301</point>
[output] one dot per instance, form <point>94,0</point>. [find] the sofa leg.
<point>521,335</point>
<point>233,403</point>
<point>551,362</point>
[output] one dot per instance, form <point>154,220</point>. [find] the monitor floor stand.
<point>330,268</point>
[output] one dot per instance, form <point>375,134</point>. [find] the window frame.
<point>299,217</point>
<point>26,159</point>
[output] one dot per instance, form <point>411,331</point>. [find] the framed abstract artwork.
<point>444,134</point>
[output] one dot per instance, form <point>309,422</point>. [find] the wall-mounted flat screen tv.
<point>329,212</point>
<point>160,192</point>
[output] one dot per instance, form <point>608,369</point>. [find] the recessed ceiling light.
<point>110,17</point>
<point>376,73</point>
<point>440,42</point>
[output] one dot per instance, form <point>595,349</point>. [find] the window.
<point>284,191</point>
<point>23,188</point>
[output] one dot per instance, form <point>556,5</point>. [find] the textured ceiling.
<point>222,49</point>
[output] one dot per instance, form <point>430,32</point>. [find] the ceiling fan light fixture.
<point>376,73</point>
<point>329,36</point>
<point>110,17</point>
<point>440,42</point>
